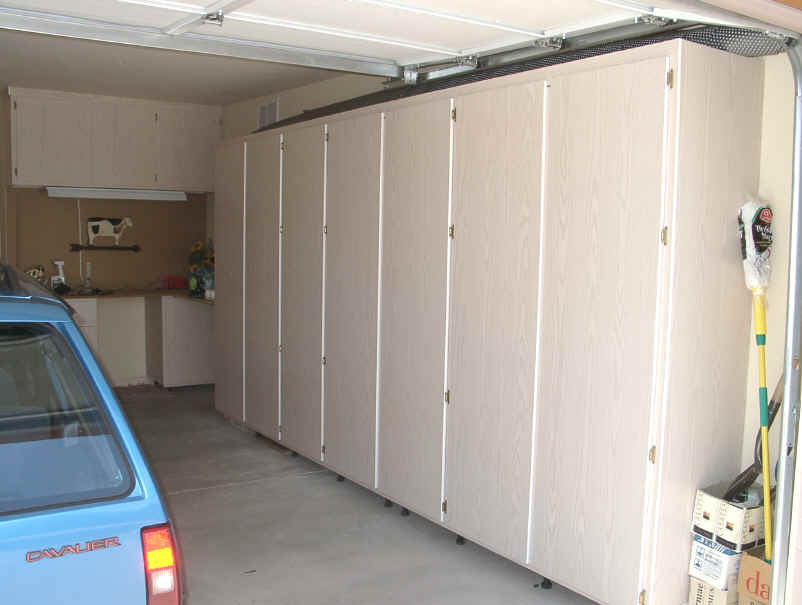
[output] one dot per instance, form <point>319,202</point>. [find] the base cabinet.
<point>514,307</point>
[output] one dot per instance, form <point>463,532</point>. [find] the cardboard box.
<point>713,563</point>
<point>736,526</point>
<point>702,593</point>
<point>754,579</point>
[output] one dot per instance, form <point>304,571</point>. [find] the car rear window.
<point>57,446</point>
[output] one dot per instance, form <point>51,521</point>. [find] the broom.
<point>754,224</point>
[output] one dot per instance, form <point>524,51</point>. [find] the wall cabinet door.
<point>262,275</point>
<point>494,295</point>
<point>302,291</point>
<point>124,149</point>
<point>352,257</point>
<point>51,140</point>
<point>602,213</point>
<point>228,315</point>
<point>413,308</point>
<point>186,137</point>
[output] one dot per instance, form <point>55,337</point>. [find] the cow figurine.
<point>107,227</point>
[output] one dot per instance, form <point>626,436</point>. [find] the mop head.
<point>754,225</point>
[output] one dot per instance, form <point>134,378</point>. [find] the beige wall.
<point>242,118</point>
<point>5,170</point>
<point>43,229</point>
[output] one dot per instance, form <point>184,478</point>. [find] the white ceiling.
<point>388,33</point>
<point>33,61</point>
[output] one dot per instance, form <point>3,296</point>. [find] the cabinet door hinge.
<point>281,348</point>
<point>325,229</point>
<point>451,231</point>
<point>322,449</point>
<point>670,78</point>
<point>447,396</point>
<point>16,172</point>
<point>642,597</point>
<point>664,236</point>
<point>323,361</point>
<point>156,117</point>
<point>15,104</point>
<point>327,137</point>
<point>283,146</point>
<point>454,114</point>
<point>653,454</point>
<point>156,177</point>
<point>281,229</point>
<point>444,506</point>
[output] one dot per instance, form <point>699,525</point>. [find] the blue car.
<point>81,517</point>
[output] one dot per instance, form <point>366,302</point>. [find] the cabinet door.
<point>494,293</point>
<point>187,136</point>
<point>124,150</point>
<point>413,307</point>
<point>262,274</point>
<point>228,316</point>
<point>302,291</point>
<point>352,258</point>
<point>51,140</point>
<point>602,214</point>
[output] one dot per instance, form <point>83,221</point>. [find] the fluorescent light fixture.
<point>117,194</point>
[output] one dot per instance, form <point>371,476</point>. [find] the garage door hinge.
<point>323,360</point>
<point>653,454</point>
<point>454,114</point>
<point>664,236</point>
<point>451,231</point>
<point>642,597</point>
<point>447,396</point>
<point>670,78</point>
<point>444,507</point>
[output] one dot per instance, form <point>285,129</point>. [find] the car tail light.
<point>161,570</point>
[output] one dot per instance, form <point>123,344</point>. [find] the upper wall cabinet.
<point>70,139</point>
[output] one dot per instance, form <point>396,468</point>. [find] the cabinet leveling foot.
<point>340,478</point>
<point>460,540</point>
<point>405,512</point>
<point>388,503</point>
<point>295,454</point>
<point>545,584</point>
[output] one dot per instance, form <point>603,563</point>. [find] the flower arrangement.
<point>201,269</point>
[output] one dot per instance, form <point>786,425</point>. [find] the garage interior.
<point>478,324</point>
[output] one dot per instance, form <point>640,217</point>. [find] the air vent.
<point>268,113</point>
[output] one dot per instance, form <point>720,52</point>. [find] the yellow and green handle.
<point>759,310</point>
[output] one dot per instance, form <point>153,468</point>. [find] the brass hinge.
<point>664,236</point>
<point>653,454</point>
<point>444,506</point>
<point>281,229</point>
<point>451,232</point>
<point>323,360</point>
<point>670,78</point>
<point>447,396</point>
<point>454,114</point>
<point>642,597</point>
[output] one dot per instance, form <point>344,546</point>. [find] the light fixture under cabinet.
<point>117,194</point>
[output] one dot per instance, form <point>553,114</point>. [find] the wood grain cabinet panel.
<point>187,136</point>
<point>352,257</point>
<point>51,140</point>
<point>602,213</point>
<point>413,309</point>
<point>262,274</point>
<point>228,308</point>
<point>302,291</point>
<point>494,294</point>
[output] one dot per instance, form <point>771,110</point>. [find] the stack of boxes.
<point>722,531</point>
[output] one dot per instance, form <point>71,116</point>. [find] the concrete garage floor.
<point>259,526</point>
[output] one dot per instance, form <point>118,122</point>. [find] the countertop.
<point>140,294</point>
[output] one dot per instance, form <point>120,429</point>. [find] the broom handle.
<point>759,309</point>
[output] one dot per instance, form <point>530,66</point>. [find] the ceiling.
<point>183,60</point>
